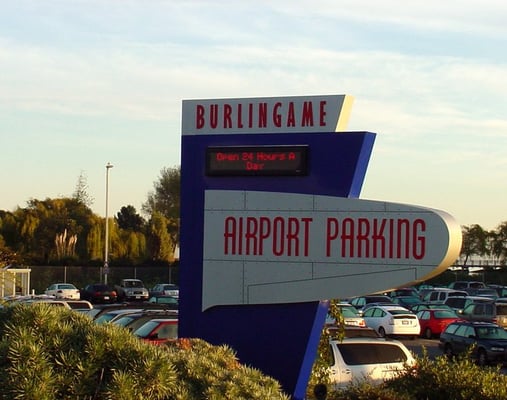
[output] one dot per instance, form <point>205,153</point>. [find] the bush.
<point>49,353</point>
<point>438,379</point>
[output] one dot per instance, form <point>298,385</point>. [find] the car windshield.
<point>493,332</point>
<point>66,286</point>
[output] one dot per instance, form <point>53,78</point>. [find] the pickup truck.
<point>131,290</point>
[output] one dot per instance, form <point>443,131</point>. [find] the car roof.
<point>366,340</point>
<point>392,307</point>
<point>164,319</point>
<point>474,323</point>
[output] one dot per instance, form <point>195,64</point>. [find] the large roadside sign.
<point>272,227</point>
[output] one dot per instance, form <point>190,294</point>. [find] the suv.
<point>458,303</point>
<point>365,358</point>
<point>487,341</point>
<point>483,311</point>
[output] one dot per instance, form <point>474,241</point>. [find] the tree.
<point>161,246</point>
<point>165,199</point>
<point>42,221</point>
<point>128,219</point>
<point>81,193</point>
<point>499,242</point>
<point>475,242</point>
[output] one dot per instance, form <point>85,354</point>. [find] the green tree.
<point>160,242</point>
<point>42,221</point>
<point>95,239</point>
<point>475,242</point>
<point>81,193</point>
<point>165,199</point>
<point>128,219</point>
<point>498,240</point>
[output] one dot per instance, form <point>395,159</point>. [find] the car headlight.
<point>497,349</point>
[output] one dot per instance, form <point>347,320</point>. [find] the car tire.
<point>428,334</point>
<point>482,358</point>
<point>382,332</point>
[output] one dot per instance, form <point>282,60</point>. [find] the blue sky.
<point>84,83</point>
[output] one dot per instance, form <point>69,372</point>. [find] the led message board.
<point>256,160</point>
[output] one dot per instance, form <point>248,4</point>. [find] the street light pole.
<point>106,245</point>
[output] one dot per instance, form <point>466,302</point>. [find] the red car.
<point>159,330</point>
<point>434,321</point>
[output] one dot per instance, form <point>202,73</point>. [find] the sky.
<point>86,83</point>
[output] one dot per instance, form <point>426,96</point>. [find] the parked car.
<point>440,295</point>
<point>131,289</point>
<point>484,292</point>
<point>108,316</point>
<point>487,341</point>
<point>407,301</point>
<point>500,289</point>
<point>134,320</point>
<point>350,331</point>
<point>430,306</point>
<point>350,314</point>
<point>169,301</point>
<point>63,291</point>
<point>79,305</point>
<point>465,285</point>
<point>423,291</point>
<point>458,303</point>
<point>168,289</point>
<point>99,293</point>
<point>392,320</point>
<point>360,301</point>
<point>409,291</point>
<point>483,311</point>
<point>365,358</point>
<point>434,321</point>
<point>158,330</point>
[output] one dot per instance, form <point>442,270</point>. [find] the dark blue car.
<point>488,341</point>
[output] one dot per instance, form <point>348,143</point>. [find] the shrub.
<point>49,353</point>
<point>438,379</point>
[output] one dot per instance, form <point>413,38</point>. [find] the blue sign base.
<point>279,339</point>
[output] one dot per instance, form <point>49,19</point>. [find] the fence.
<point>43,276</point>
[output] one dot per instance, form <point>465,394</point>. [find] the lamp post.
<point>106,245</point>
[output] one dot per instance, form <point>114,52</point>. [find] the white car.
<point>350,314</point>
<point>362,358</point>
<point>392,320</point>
<point>63,291</point>
<point>167,289</point>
